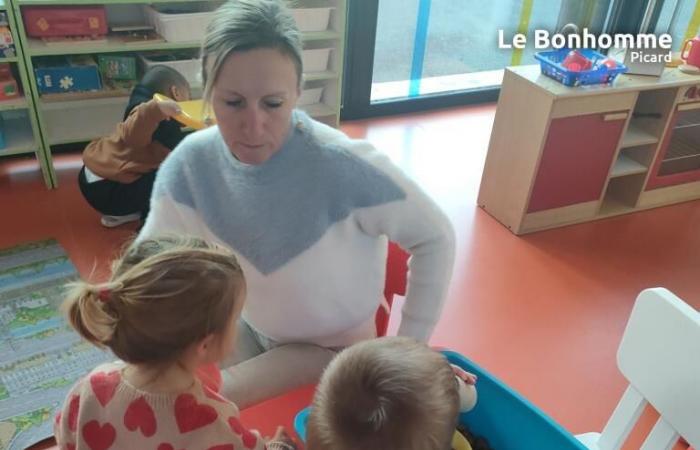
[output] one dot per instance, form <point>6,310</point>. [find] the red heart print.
<point>139,414</point>
<point>222,447</point>
<point>104,385</point>
<point>99,437</point>
<point>70,446</point>
<point>73,412</point>
<point>249,439</point>
<point>191,415</point>
<point>235,425</point>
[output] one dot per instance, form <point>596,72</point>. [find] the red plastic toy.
<point>62,21</point>
<point>576,62</point>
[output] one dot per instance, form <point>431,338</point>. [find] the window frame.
<point>359,62</point>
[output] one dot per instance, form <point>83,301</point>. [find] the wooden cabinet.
<point>576,159</point>
<point>561,155</point>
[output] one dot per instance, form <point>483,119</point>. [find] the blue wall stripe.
<point>419,47</point>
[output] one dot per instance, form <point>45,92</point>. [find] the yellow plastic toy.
<point>192,114</point>
<point>459,442</point>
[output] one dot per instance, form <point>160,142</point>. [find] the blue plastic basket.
<point>502,416</point>
<point>550,64</point>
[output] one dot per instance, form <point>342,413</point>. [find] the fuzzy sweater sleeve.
<point>420,227</point>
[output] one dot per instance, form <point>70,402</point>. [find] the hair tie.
<point>104,295</point>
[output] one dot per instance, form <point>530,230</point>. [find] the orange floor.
<point>543,312</point>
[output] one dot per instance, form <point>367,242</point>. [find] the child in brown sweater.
<point>119,170</point>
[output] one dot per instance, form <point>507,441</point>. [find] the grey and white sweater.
<point>310,228</point>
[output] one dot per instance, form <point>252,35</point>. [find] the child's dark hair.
<point>164,295</point>
<point>391,393</point>
<point>160,79</point>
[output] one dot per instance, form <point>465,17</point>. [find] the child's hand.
<point>465,376</point>
<point>169,108</point>
<point>281,440</point>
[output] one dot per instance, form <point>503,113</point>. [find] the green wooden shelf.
<point>73,118</point>
<point>326,75</point>
<point>318,110</point>
<point>9,105</point>
<point>37,47</point>
<point>320,35</point>
<point>19,138</point>
<point>94,2</point>
<point>21,126</point>
<point>23,150</point>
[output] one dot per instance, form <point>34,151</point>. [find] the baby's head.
<point>391,393</point>
<point>167,297</point>
<point>167,81</point>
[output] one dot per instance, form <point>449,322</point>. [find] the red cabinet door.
<point>575,161</point>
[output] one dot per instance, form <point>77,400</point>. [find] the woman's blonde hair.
<point>391,393</point>
<point>243,25</point>
<point>164,295</point>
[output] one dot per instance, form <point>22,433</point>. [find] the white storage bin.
<point>315,60</point>
<point>182,25</point>
<point>310,96</point>
<point>190,68</point>
<point>312,19</point>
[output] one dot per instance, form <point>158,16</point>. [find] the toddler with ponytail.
<point>170,307</point>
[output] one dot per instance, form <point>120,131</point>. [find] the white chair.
<point>660,357</point>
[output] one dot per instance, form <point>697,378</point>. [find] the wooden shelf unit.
<point>626,166</point>
<point>637,135</point>
<point>22,133</point>
<point>62,118</point>
<point>561,155</point>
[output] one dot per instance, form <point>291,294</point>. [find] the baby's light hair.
<point>391,393</point>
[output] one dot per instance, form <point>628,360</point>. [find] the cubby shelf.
<point>626,166</point>
<point>62,118</point>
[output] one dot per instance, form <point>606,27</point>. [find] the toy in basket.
<point>192,115</point>
<point>502,416</point>
<point>579,67</point>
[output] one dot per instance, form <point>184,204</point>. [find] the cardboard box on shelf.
<point>74,73</point>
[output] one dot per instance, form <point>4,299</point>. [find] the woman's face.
<point>253,98</point>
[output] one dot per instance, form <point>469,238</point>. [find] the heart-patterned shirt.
<point>103,411</point>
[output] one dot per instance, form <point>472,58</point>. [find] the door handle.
<point>689,106</point>
<point>615,116</point>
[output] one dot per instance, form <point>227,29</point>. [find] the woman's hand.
<point>281,441</point>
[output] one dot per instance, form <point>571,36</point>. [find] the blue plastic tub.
<point>550,64</point>
<point>505,418</point>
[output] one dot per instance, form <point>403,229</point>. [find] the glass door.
<point>679,18</point>
<point>426,47</point>
<point>402,54</point>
